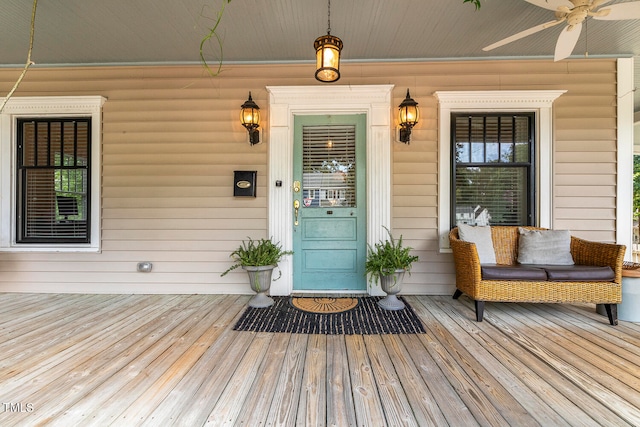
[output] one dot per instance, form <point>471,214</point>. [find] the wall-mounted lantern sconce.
<point>250,118</point>
<point>408,117</point>
<point>328,49</point>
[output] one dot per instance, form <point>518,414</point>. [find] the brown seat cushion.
<point>512,272</point>
<point>578,273</point>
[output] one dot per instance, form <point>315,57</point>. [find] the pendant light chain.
<point>329,17</point>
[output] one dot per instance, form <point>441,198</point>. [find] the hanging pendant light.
<point>328,49</point>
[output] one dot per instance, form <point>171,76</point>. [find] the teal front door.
<point>329,230</point>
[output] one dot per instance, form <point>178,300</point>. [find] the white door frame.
<point>287,101</point>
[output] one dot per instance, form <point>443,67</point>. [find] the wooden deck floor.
<point>162,360</point>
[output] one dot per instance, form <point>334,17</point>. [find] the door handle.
<point>296,208</point>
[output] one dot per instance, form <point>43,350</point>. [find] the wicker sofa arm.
<point>586,252</point>
<point>466,260</point>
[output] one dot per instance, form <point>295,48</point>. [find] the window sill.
<point>50,248</point>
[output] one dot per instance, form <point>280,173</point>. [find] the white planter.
<point>391,285</point>
<point>260,282</point>
<point>629,309</point>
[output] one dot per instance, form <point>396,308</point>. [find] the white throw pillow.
<point>551,247</point>
<point>481,236</point>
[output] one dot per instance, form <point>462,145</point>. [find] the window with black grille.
<point>53,173</point>
<point>493,171</point>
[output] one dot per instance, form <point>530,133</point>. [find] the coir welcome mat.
<point>366,318</point>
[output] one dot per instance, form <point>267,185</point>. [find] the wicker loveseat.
<point>469,274</point>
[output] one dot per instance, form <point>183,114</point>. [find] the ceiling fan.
<point>574,13</point>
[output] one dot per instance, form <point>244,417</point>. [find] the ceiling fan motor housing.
<point>574,13</point>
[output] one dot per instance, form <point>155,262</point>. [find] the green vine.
<point>213,35</point>
<point>29,61</point>
<point>474,2</point>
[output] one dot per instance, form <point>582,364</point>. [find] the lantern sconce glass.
<point>328,50</point>
<point>250,119</point>
<point>408,117</point>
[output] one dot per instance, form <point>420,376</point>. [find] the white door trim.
<point>287,101</point>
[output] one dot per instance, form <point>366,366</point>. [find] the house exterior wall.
<point>172,139</point>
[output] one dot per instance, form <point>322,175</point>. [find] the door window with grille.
<point>493,171</point>
<point>329,166</point>
<point>53,172</point>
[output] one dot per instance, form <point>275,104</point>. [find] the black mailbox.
<point>244,183</point>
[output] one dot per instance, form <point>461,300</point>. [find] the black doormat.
<point>367,318</point>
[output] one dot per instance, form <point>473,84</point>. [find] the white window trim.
<point>43,107</point>
<point>538,101</point>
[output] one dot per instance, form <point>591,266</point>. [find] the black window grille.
<point>53,180</point>
<point>493,169</point>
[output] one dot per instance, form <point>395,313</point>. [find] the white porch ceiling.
<point>85,32</point>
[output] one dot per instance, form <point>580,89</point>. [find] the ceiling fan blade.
<point>522,34</point>
<point>597,3</point>
<point>551,4</point>
<point>567,41</point>
<point>620,11</point>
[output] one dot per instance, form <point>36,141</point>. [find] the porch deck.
<point>161,360</point>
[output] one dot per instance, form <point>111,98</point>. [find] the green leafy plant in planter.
<point>388,262</point>
<point>258,258</point>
